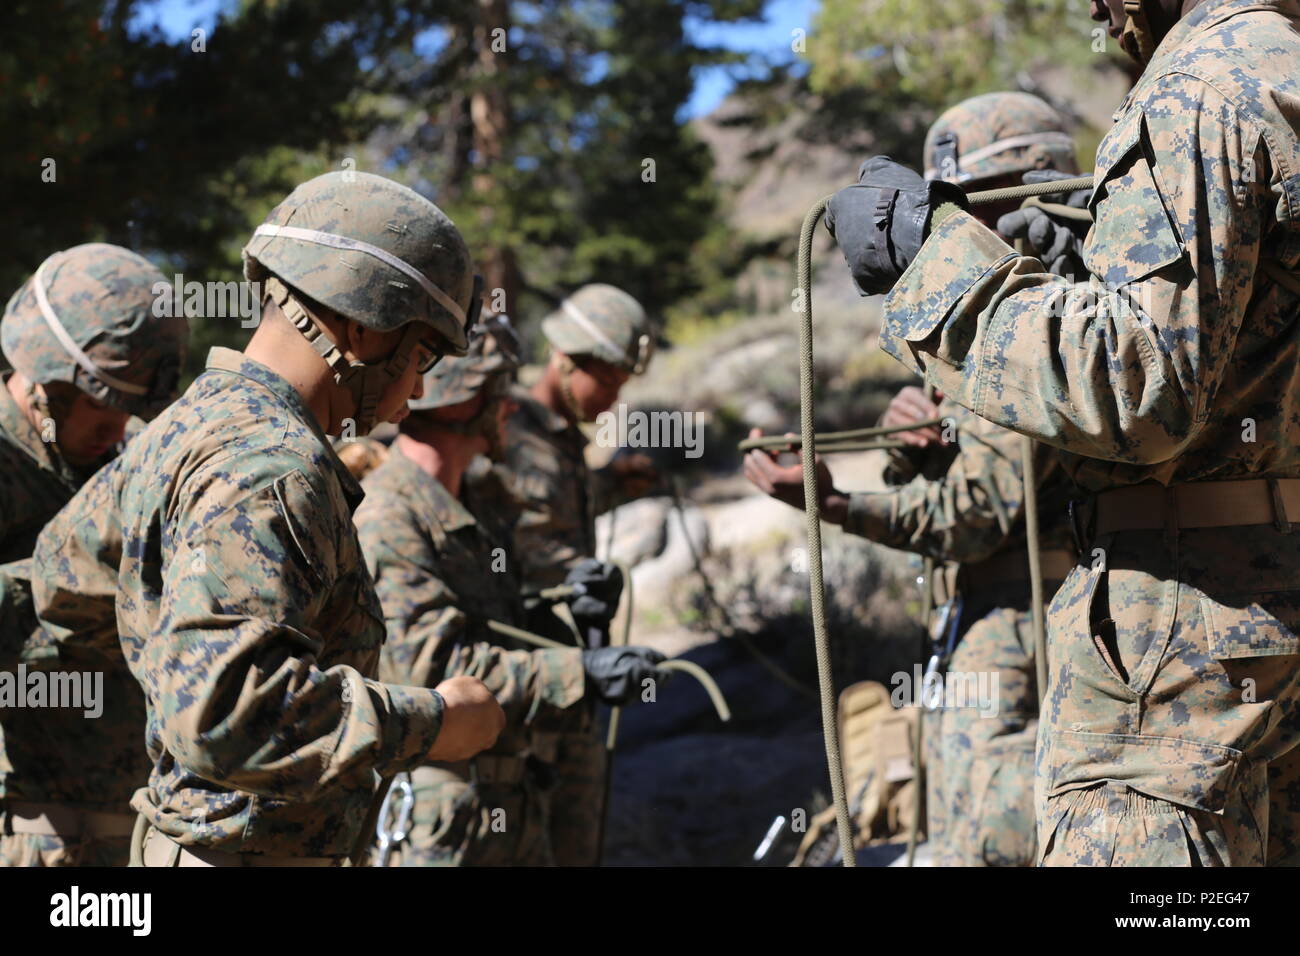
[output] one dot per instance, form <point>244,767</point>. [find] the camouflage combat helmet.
<point>486,369</point>
<point>493,353</point>
<point>995,134</point>
<point>377,253</point>
<point>605,323</point>
<point>99,317</point>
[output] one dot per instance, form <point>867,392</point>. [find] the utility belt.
<point>65,822</point>
<point>1000,571</point>
<point>155,848</point>
<point>1203,504</point>
<point>1012,567</point>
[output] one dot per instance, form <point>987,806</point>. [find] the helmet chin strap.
<point>567,368</point>
<point>1138,31</point>
<point>365,381</point>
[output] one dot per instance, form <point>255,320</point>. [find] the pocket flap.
<point>1184,772</point>
<point>1254,626</point>
<point>1132,235</point>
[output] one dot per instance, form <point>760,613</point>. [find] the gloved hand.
<point>881,221</point>
<point>599,586</point>
<point>614,674</point>
<point>1056,242</point>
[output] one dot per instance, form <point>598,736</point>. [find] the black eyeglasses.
<point>432,360</point>
<point>471,318</point>
<point>475,305</point>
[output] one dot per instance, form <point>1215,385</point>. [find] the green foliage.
<point>170,149</point>
<point>940,53</point>
<point>601,180</point>
<point>178,152</point>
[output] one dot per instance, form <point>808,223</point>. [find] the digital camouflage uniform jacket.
<point>441,575</point>
<point>54,754</point>
<point>549,478</point>
<point>1177,363</point>
<point>558,497</point>
<point>221,544</point>
<point>35,482</point>
<point>964,502</point>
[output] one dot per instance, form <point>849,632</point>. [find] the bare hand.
<point>785,482</point>
<point>911,405</point>
<point>635,473</point>
<point>471,720</point>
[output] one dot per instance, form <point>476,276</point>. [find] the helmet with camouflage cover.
<point>377,253</point>
<point>99,317</point>
<point>605,323</point>
<point>493,353</point>
<point>997,134</point>
<point>486,369</point>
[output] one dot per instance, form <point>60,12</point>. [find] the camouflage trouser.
<point>458,823</point>
<point>578,800</point>
<point>31,849</point>
<point>1284,810</point>
<point>1172,701</point>
<point>979,757</point>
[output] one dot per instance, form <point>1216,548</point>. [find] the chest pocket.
<point>1132,235</point>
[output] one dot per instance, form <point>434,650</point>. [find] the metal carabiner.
<point>390,836</point>
<point>942,644</point>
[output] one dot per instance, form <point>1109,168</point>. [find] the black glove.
<point>1056,242</point>
<point>598,586</point>
<point>881,221</point>
<point>614,674</point>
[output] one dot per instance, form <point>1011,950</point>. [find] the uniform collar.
<point>444,507</point>
<point>237,363</point>
<point>23,434</point>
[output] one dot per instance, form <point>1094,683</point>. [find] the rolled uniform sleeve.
<point>1124,366</point>
<point>244,696</point>
<point>965,514</point>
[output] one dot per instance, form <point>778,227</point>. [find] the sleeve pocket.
<point>1132,235</point>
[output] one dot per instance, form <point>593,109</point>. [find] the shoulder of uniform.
<point>1245,59</point>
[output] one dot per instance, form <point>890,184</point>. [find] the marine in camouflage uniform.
<point>963,501</point>
<point>603,334</point>
<point>89,340</point>
<point>442,574</point>
<point>1171,378</point>
<point>221,544</point>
